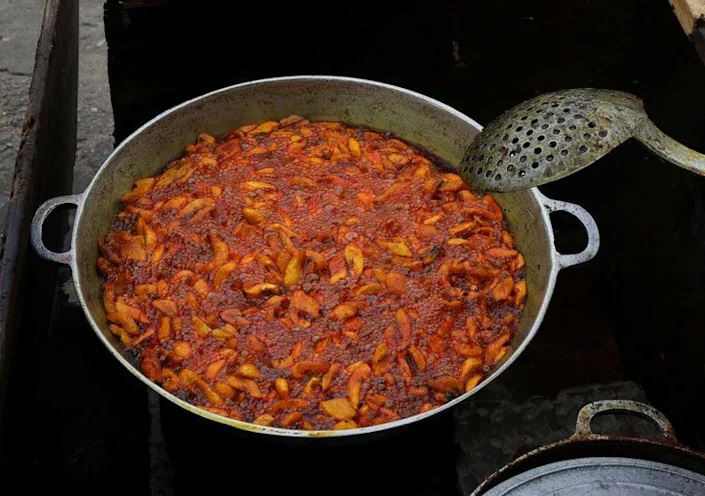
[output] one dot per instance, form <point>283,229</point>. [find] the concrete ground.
<point>20,25</point>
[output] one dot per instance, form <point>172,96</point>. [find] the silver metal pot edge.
<point>584,433</point>
<point>560,261</point>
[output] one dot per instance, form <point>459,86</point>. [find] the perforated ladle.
<point>559,133</point>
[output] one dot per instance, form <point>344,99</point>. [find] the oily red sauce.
<point>311,275</point>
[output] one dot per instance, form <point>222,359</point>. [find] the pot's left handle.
<point>583,429</point>
<point>593,233</point>
<point>40,217</point>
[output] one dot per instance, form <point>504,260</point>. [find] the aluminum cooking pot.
<point>414,118</point>
<point>593,464</point>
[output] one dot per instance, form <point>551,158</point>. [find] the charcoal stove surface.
<point>629,324</point>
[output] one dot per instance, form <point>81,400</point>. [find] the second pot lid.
<point>603,476</point>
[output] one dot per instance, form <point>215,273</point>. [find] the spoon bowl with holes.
<point>556,134</point>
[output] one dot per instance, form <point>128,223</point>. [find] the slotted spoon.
<point>556,134</point>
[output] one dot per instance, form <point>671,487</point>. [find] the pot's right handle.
<point>593,233</point>
<point>589,411</point>
<point>38,224</point>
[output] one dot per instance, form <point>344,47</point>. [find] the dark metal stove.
<point>628,325</point>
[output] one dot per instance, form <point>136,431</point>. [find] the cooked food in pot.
<point>311,275</point>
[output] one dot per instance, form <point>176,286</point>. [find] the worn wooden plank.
<point>690,13</point>
<point>43,169</point>
<point>75,421</point>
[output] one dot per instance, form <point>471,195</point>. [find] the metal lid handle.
<point>591,410</point>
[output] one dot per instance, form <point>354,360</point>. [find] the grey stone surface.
<point>95,115</point>
<point>20,25</point>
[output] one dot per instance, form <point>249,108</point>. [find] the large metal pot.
<point>587,463</point>
<point>415,118</point>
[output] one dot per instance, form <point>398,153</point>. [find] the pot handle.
<point>38,224</point>
<point>593,233</point>
<point>589,411</point>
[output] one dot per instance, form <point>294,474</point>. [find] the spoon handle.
<point>669,149</point>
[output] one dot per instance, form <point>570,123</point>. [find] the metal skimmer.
<point>559,133</point>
